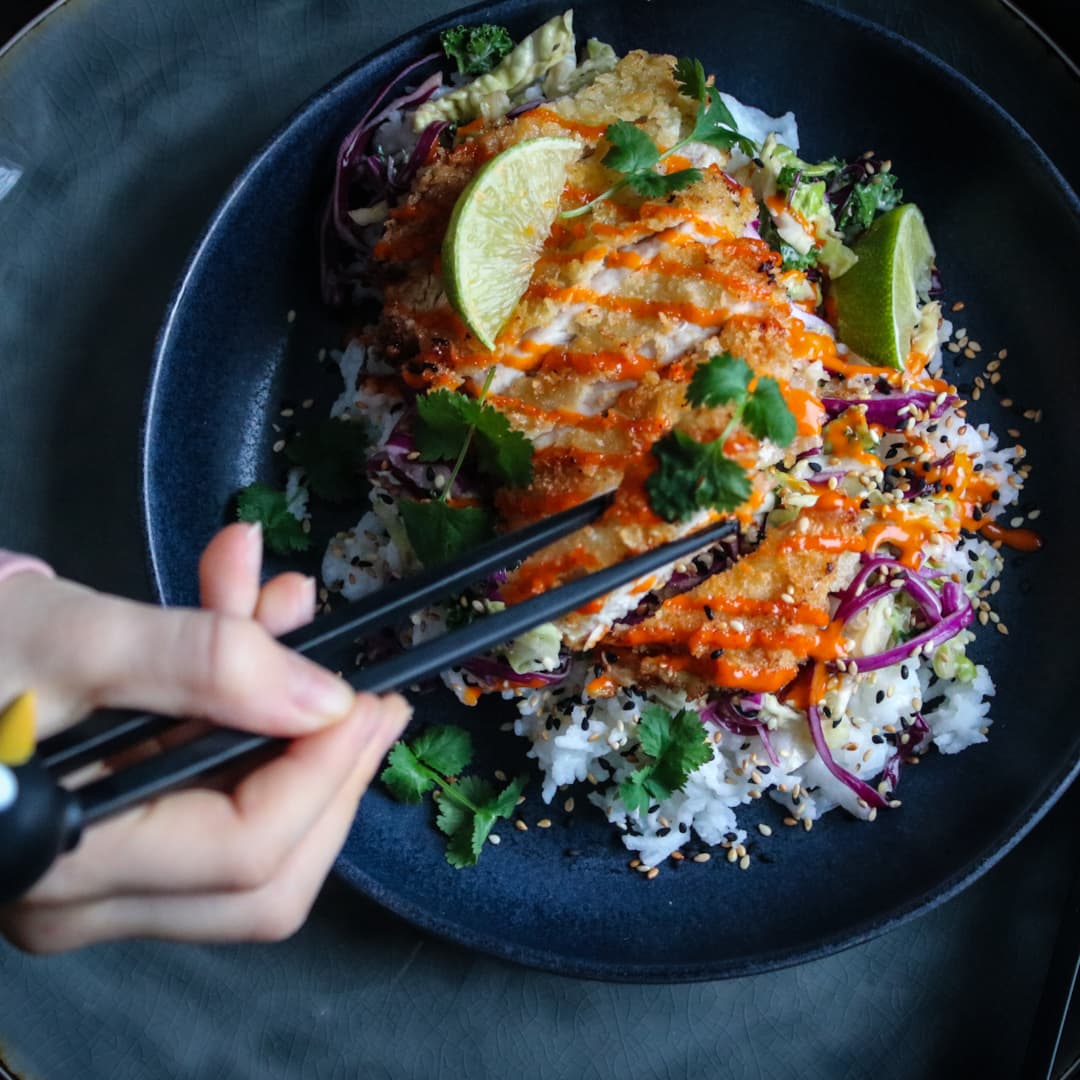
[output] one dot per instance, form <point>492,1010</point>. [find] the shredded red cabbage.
<point>956,614</point>
<point>892,410</point>
<point>493,673</point>
<point>891,772</point>
<point>392,467</point>
<point>739,714</point>
<point>868,794</point>
<point>857,596</point>
<point>363,178</point>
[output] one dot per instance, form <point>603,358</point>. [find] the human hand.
<point>196,865</point>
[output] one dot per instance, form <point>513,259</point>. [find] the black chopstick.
<point>391,603</point>
<point>224,746</point>
<point>103,734</point>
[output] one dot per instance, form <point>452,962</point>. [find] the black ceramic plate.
<point>1006,226</point>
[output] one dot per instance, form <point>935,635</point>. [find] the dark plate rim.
<point>865,930</point>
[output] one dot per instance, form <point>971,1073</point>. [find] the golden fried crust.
<point>625,302</point>
<point>774,598</point>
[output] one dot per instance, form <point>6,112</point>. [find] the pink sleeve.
<point>12,563</point>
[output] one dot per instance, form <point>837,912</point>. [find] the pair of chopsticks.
<point>69,812</point>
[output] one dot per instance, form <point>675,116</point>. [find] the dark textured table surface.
<point>101,105</point>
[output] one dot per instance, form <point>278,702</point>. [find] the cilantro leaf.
<point>405,775</point>
<point>474,790</point>
<point>467,809</point>
<point>445,748</point>
<point>439,532</point>
<point>715,126</point>
<point>476,49</point>
<point>694,476</point>
<point>766,413</point>
<point>452,817</point>
<point>444,420</point>
<point>502,452</point>
<point>690,76</point>
<point>460,851</point>
<point>491,810</point>
<point>677,746</point>
<point>504,804</point>
<point>469,826</point>
<point>282,531</point>
<point>653,184</point>
<point>333,457</point>
<point>631,149</point>
<point>721,379</point>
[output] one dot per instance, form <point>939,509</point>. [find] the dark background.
<point>1056,18</point>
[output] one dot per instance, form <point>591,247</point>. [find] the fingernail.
<point>392,718</point>
<point>324,698</point>
<point>311,588</point>
<point>254,539</point>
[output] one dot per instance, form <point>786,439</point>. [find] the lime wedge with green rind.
<point>877,300</point>
<point>498,228</point>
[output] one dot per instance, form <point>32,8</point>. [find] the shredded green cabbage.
<point>490,95</point>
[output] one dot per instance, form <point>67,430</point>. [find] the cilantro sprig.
<point>636,156</point>
<point>673,747</point>
<point>469,807</point>
<point>283,532</point>
<point>448,424</point>
<point>692,475</point>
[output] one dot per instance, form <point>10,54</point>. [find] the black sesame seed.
<point>815,466</point>
<point>664,831</point>
<point>903,671</point>
<point>709,613</point>
<point>716,654</point>
<point>877,739</point>
<point>879,697</point>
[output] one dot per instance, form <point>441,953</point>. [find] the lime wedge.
<point>877,300</point>
<point>498,226</point>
